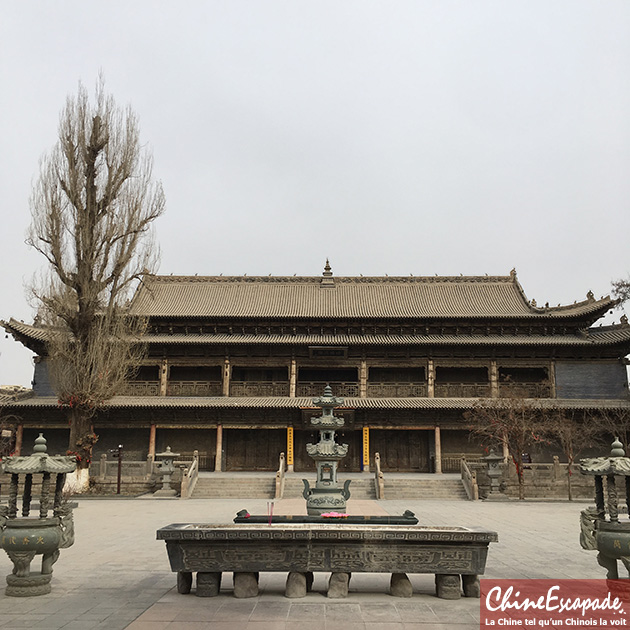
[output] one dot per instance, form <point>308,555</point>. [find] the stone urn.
<point>25,536</point>
<point>600,526</point>
<point>326,496</point>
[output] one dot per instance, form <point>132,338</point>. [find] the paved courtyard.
<point>117,575</point>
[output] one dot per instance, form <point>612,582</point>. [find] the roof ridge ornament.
<point>327,276</point>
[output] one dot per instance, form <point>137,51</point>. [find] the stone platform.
<point>456,555</point>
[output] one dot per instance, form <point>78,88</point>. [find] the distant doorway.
<point>400,450</point>
<point>253,449</point>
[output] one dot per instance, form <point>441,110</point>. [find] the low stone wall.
<point>542,481</point>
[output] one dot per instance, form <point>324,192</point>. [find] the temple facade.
<point>233,364</point>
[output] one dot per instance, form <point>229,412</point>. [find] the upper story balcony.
<point>315,388</point>
<point>141,388</point>
<point>462,390</point>
<point>525,390</point>
<point>396,390</point>
<point>254,388</point>
<point>373,382</point>
<point>194,388</point>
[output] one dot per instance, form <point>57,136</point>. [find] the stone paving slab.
<point>117,574</point>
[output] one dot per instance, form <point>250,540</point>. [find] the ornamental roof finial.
<point>327,280</point>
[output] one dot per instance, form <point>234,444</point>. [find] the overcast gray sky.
<point>425,137</point>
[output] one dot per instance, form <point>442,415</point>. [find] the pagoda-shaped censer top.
<point>38,463</point>
<point>615,464</point>
<point>327,448</point>
<point>326,495</point>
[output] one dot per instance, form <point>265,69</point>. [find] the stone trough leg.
<point>448,586</point>
<point>208,584</point>
<point>471,585</point>
<point>338,585</point>
<point>400,586</point>
<point>245,584</point>
<point>184,582</point>
<point>297,585</point>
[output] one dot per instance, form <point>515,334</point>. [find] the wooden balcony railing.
<point>317,388</point>
<point>524,390</point>
<point>194,388</point>
<point>396,390</point>
<point>462,390</point>
<point>141,388</point>
<point>259,388</point>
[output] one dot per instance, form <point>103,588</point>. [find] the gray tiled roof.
<point>162,402</point>
<point>608,335</point>
<point>349,297</point>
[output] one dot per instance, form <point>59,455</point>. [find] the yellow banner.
<point>289,446</point>
<point>366,446</point>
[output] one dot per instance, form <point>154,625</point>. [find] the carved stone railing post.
<point>280,477</point>
<point>103,467</point>
<point>379,480</point>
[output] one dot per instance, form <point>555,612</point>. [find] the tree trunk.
<point>521,478</point>
<point>81,443</point>
<point>569,476</point>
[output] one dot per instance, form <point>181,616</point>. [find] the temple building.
<point>233,364</point>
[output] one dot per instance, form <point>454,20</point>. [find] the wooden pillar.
<point>363,374</point>
<point>19,433</point>
<point>164,377</point>
<point>494,379</point>
<point>152,442</point>
<point>226,377</point>
<point>366,449</point>
<point>292,378</point>
<point>438,450</point>
<point>218,461</point>
<point>552,379</point>
<point>290,449</point>
<point>430,379</point>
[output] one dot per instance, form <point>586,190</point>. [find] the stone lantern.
<point>494,472</point>
<point>326,495</point>
<point>609,536</point>
<point>166,469</point>
<point>26,536</point>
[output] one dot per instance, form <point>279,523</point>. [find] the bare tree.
<point>613,423</point>
<point>514,422</point>
<point>573,432</point>
<point>92,208</point>
<point>621,289</point>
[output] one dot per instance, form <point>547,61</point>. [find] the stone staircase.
<point>263,486</point>
<point>218,486</point>
<point>425,488</point>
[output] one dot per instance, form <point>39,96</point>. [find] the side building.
<point>234,362</point>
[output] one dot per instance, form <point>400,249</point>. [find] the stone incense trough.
<point>456,555</point>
